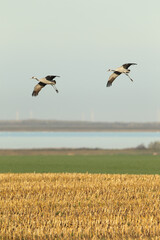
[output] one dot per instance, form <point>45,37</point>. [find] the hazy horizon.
<point>88,121</point>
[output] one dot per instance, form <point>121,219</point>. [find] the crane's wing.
<point>38,88</point>
<point>112,78</point>
<point>51,77</point>
<point>127,65</point>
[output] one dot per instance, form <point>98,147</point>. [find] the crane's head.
<point>35,78</point>
<point>110,70</point>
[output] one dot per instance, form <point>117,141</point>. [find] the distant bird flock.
<point>48,80</point>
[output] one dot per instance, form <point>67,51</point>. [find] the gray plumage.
<point>48,80</point>
<point>38,88</point>
<point>118,71</point>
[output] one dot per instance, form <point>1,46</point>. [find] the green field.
<point>131,164</point>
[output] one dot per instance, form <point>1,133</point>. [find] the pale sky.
<point>80,40</point>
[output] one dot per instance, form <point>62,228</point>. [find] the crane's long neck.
<point>36,79</point>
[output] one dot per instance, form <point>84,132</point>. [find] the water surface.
<point>104,140</point>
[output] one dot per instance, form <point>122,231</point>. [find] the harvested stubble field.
<point>79,206</point>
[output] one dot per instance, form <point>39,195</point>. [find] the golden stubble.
<point>79,206</point>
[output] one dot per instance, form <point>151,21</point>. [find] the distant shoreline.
<point>76,126</point>
<point>76,151</point>
<point>70,130</point>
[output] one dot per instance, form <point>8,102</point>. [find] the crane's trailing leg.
<point>55,88</point>
<point>128,76</point>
